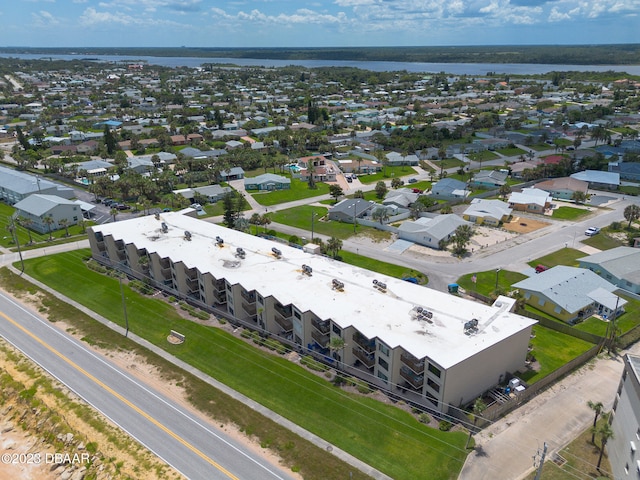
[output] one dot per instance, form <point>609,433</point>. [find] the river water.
<point>451,68</point>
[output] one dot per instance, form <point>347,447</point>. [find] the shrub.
<point>444,425</point>
<point>313,364</point>
<point>424,418</point>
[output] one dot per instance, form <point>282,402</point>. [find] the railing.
<point>416,381</point>
<point>367,358</point>
<point>367,345</point>
<point>285,323</point>
<point>286,312</point>
<point>412,362</point>
<point>250,309</point>
<point>248,296</point>
<point>321,326</point>
<point>321,339</point>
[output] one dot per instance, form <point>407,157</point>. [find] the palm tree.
<point>48,221</point>
<point>25,223</point>
<point>478,407</point>
<point>114,212</point>
<point>631,213</point>
<point>335,344</point>
<point>265,221</point>
<point>605,432</point>
<point>64,222</point>
<point>380,214</point>
<point>597,408</point>
<point>256,220</point>
<point>334,245</point>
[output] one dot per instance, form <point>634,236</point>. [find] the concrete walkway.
<point>556,416</point>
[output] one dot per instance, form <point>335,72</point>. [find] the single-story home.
<point>48,212</point>
<point>620,266</point>
<point>402,197</point>
<point>350,208</point>
<point>530,200</point>
<point>213,193</point>
<point>626,170</point>
<point>234,173</point>
<point>570,293</point>
<point>488,212</point>
<point>449,189</point>
<point>395,158</point>
<point>563,188</point>
<point>267,181</point>
<point>430,231</point>
<point>599,180</point>
<point>489,179</point>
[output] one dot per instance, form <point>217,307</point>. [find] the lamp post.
<point>497,273</point>
<point>14,232</point>
<point>313,216</point>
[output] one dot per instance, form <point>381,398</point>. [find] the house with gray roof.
<point>233,173</point>
<point>37,208</point>
<point>626,170</point>
<point>16,186</point>
<point>571,294</point>
<point>599,180</point>
<point>198,154</point>
<point>489,179</point>
<point>620,266</point>
<point>402,197</point>
<point>531,200</point>
<point>449,189</point>
<point>213,193</point>
<point>430,231</point>
<point>396,158</point>
<point>268,182</point>
<point>487,212</point>
<point>350,208</point>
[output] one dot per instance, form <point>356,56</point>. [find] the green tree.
<point>358,194</point>
<point>597,408</point>
<point>461,239</point>
<point>336,191</point>
<point>255,219</point>
<point>380,214</point>
<point>334,245</point>
<point>64,222</point>
<point>48,221</point>
<point>114,213</point>
<point>25,223</point>
<point>504,190</point>
<point>335,344</point>
<point>631,213</point>
<point>605,432</point>
<point>478,408</point>
<point>579,197</point>
<point>109,140</point>
<point>396,182</point>
<point>381,189</point>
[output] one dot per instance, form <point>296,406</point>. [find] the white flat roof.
<point>390,316</point>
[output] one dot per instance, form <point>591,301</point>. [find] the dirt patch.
<point>524,225</point>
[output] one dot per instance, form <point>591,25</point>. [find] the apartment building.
<point>435,348</point>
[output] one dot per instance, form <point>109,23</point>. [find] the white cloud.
<point>44,18</point>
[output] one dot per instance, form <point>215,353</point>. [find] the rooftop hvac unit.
<point>380,285</point>
<point>276,252</point>
<point>307,269</point>
<point>187,235</point>
<point>419,309</point>
<point>220,241</point>
<point>337,284</point>
<point>471,326</point>
<point>164,227</point>
<point>157,216</point>
<point>240,252</point>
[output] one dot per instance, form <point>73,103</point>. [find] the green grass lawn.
<point>482,156</point>
<point>387,174</point>
<point>511,152</point>
<point>564,256</point>
<point>603,241</point>
<point>569,213</point>
<point>298,190</point>
<point>381,435</point>
<point>552,350</point>
<point>300,217</point>
<point>486,281</point>
<point>384,268</point>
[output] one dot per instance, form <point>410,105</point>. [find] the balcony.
<point>368,359</point>
<point>367,345</point>
<point>248,296</point>
<point>321,326</point>
<point>221,297</point>
<point>286,312</point>
<point>119,244</point>
<point>412,362</point>
<point>321,339</point>
<point>285,323</point>
<point>191,274</point>
<point>249,308</point>
<point>416,381</point>
<point>219,285</point>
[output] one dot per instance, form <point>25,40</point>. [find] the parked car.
<point>413,180</point>
<point>541,268</point>
<point>349,179</point>
<point>196,206</point>
<point>416,190</point>
<point>122,206</point>
<point>591,231</point>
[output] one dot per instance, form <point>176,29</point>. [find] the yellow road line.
<point>121,398</point>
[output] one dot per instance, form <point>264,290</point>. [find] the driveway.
<point>556,417</point>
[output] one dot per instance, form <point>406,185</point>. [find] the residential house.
<point>16,186</point>
<point>571,294</point>
<point>267,181</point>
<point>599,180</point>
<point>489,179</point>
<point>415,341</point>
<point>234,173</point>
<point>323,170</point>
<point>397,159</point>
<point>430,231</point>
<point>48,212</point>
<point>626,170</point>
<point>563,188</point>
<point>449,189</point>
<point>487,212</point>
<point>349,209</point>
<point>620,266</point>
<point>401,197</point>
<point>213,193</point>
<point>531,200</point>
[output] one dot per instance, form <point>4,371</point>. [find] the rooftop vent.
<point>187,235</point>
<point>471,326</point>
<point>157,216</point>
<point>337,284</point>
<point>240,253</point>
<point>380,285</point>
<point>164,227</point>
<point>220,241</point>
<point>306,269</point>
<point>276,252</point>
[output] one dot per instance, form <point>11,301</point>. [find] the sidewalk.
<point>556,416</point>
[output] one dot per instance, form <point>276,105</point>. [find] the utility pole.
<point>14,231</point>
<point>540,465</point>
<point>124,309</point>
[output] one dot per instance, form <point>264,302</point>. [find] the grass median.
<point>382,435</point>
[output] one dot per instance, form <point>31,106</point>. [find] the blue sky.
<point>300,23</point>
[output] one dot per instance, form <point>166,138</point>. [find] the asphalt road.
<point>189,444</point>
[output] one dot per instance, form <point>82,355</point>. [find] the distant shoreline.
<point>618,54</point>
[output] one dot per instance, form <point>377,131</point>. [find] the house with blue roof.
<point>267,182</point>
<point>599,180</point>
<point>620,266</point>
<point>449,189</point>
<point>626,170</point>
